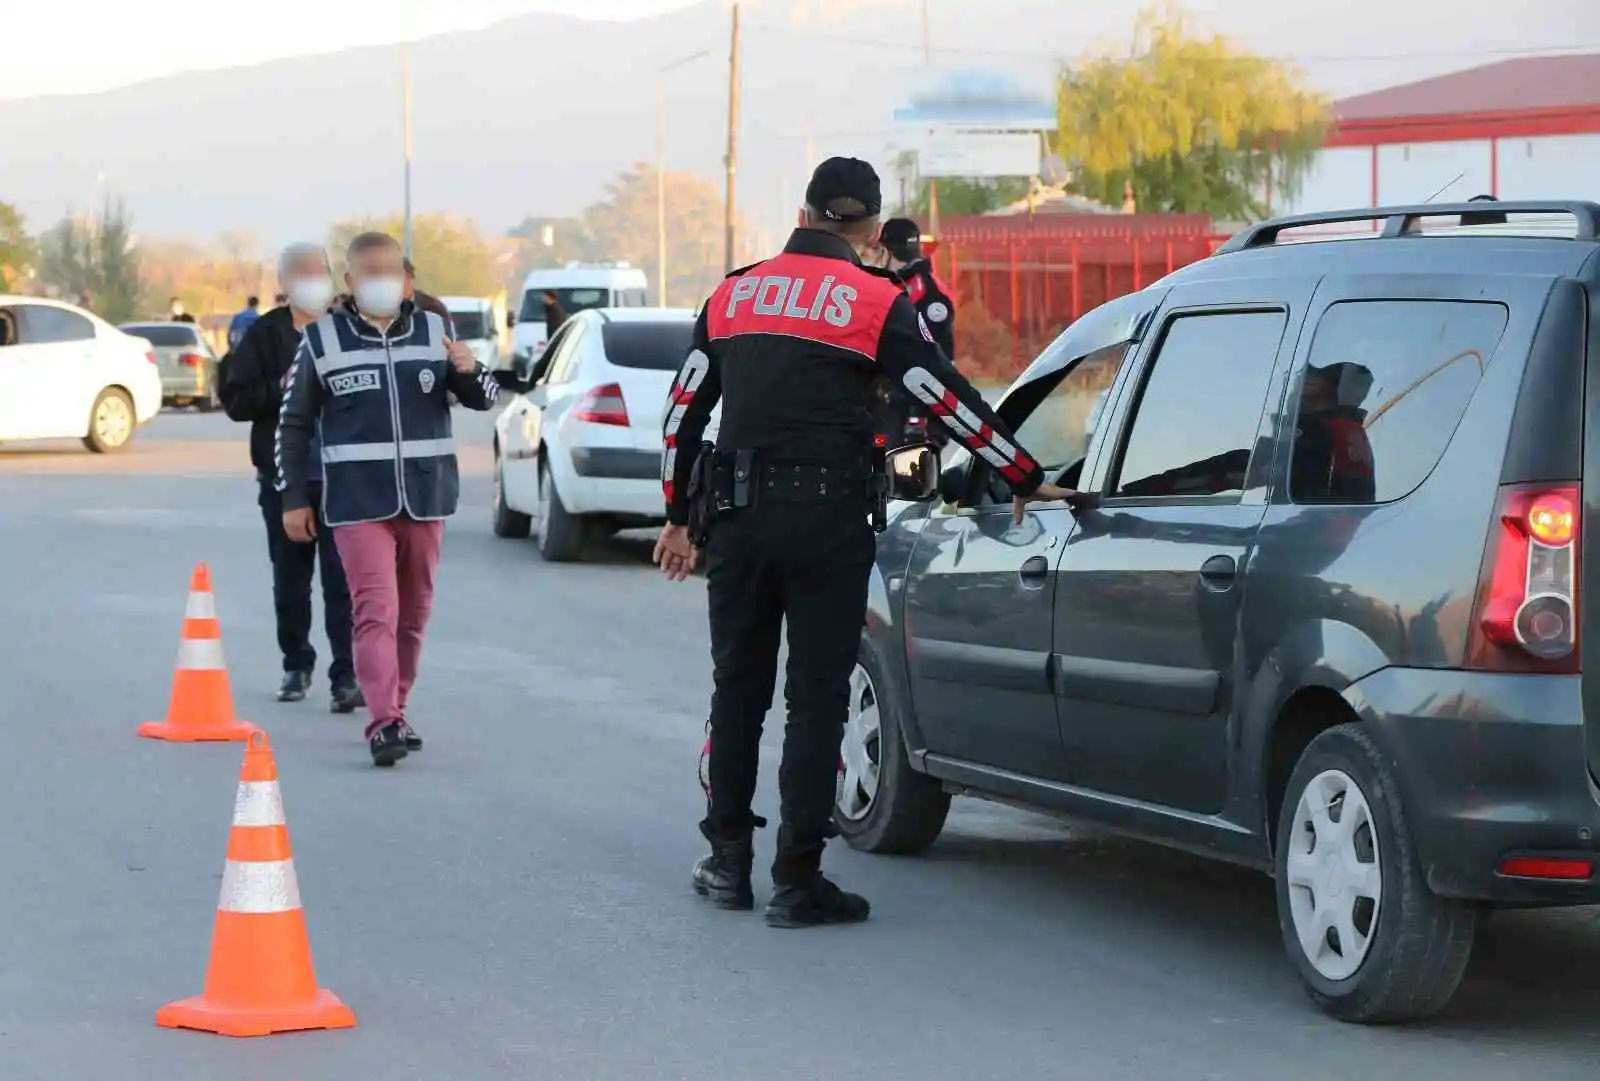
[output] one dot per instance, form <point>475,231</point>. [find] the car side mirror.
<point>511,320</point>
<point>914,473</point>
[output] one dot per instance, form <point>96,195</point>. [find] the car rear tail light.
<point>1562,869</point>
<point>150,355</point>
<point>1527,612</point>
<point>192,360</point>
<point>602,405</point>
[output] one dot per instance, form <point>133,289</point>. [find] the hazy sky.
<point>56,48</point>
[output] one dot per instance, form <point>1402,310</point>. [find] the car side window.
<point>1384,388</point>
<point>1196,418</point>
<point>43,325</point>
<point>1060,428</point>
<point>561,364</point>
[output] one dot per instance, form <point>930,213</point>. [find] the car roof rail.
<point>1398,220</point>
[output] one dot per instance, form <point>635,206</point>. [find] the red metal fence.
<point>1019,281</point>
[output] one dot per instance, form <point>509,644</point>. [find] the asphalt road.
<point>513,903</point>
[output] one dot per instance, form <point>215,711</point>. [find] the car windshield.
<point>571,301</point>
<point>469,325</point>
<point>658,346</point>
<point>162,334</point>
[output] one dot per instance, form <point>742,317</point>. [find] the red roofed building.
<point>1525,128</point>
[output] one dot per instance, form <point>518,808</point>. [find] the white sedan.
<point>67,374</point>
<point>578,451</point>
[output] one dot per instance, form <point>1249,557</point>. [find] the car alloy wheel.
<point>1334,879</point>
<point>113,421</point>
<point>860,751</point>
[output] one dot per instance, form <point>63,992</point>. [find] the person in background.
<point>554,315</point>
<point>372,380</point>
<point>280,300</point>
<point>253,375</point>
<point>175,306</point>
<point>426,301</point>
<point>901,241</point>
<point>241,322</point>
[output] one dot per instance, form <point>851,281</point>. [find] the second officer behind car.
<point>793,347</point>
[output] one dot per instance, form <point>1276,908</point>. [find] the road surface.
<point>513,903</point>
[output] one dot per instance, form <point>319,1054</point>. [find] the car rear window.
<point>1385,388</point>
<point>162,334</point>
<point>659,347</point>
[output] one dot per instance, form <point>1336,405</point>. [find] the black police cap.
<point>839,179</point>
<point>900,231</point>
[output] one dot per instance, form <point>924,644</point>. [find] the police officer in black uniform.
<point>901,241</point>
<point>793,347</point>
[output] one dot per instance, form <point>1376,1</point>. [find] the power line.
<point>1441,54</point>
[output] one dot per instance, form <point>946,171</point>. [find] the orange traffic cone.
<point>260,979</point>
<point>201,708</point>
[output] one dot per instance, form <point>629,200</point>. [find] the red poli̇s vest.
<point>830,302</point>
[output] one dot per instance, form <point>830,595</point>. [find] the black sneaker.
<point>814,904</point>
<point>294,686</point>
<point>413,741</point>
<point>388,744</point>
<point>347,697</point>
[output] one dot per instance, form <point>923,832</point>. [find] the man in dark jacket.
<point>901,239</point>
<point>373,381</point>
<point>252,391</point>
<point>554,315</point>
<point>426,302</point>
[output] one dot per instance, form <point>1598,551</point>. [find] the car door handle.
<point>1218,573</point>
<point>1033,572</point>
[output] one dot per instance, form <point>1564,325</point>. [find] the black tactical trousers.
<point>807,565</point>
<point>294,568</point>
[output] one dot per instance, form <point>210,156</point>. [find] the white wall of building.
<point>1548,167</point>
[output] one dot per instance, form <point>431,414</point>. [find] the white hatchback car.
<point>578,451</point>
<point>67,374</point>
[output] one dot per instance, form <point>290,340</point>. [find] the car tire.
<point>907,811</point>
<point>559,535</point>
<point>507,522</point>
<point>1410,956</point>
<point>112,421</point>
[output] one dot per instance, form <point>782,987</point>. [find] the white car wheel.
<point>1334,877</point>
<point>111,422</point>
<point>860,752</point>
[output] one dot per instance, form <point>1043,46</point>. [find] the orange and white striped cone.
<point>260,979</point>
<point>201,707</point>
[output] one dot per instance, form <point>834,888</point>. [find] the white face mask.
<point>177,309</point>
<point>311,295</point>
<point>380,296</point>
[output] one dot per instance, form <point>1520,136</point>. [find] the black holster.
<point>702,495</point>
<point>878,488</point>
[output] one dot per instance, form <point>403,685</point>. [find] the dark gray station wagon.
<point>1326,616</point>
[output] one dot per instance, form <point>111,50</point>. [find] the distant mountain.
<point>534,115</point>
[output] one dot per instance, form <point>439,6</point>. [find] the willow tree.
<point>1191,122</point>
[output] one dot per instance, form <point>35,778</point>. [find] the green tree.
<point>17,250</point>
<point>95,258</point>
<point>1195,124</point>
<point>958,195</point>
<point>622,226</point>
<point>452,257</point>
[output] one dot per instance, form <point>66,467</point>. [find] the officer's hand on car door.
<point>1050,493</point>
<point>300,525</point>
<point>675,553</point>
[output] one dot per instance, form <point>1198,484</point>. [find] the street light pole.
<point>405,78</point>
<point>733,146</point>
<point>661,170</point>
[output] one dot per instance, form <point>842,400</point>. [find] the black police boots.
<point>802,897</point>
<point>724,876</point>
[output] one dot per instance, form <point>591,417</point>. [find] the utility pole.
<point>405,78</point>
<point>933,184</point>
<point>733,145</point>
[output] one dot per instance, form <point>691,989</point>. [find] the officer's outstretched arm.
<point>694,395</point>
<point>297,422</point>
<point>913,359</point>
